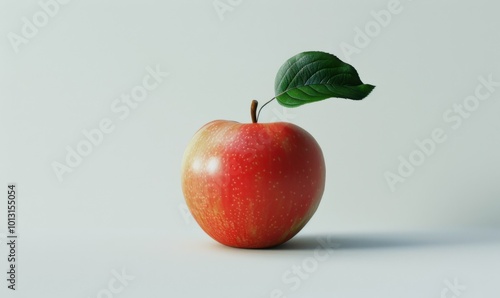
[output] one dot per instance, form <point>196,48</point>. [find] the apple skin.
<point>252,185</point>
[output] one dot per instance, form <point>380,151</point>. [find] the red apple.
<point>252,185</point>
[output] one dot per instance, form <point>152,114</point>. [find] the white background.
<point>121,207</point>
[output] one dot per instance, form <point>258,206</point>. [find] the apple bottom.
<point>252,185</point>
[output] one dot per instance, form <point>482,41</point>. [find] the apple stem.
<point>253,110</point>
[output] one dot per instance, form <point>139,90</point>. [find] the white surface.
<point>123,206</point>
<point>360,264</point>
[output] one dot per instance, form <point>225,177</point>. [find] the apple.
<point>252,185</point>
<point>256,185</point>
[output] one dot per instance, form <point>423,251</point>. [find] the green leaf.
<point>314,76</point>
